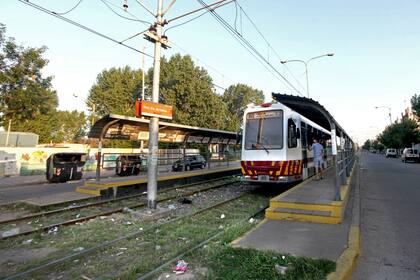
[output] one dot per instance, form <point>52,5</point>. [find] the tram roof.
<point>310,109</point>
<point>130,128</point>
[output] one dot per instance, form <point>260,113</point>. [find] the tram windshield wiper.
<point>260,145</point>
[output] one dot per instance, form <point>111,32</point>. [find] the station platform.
<point>305,221</point>
<point>311,201</point>
<point>104,185</point>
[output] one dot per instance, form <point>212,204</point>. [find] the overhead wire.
<point>250,48</point>
<point>188,21</point>
<point>107,4</point>
<point>203,62</point>
<point>145,7</point>
<point>45,10</point>
<point>74,7</point>
<point>268,43</point>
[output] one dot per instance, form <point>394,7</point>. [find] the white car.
<point>391,153</point>
<point>410,154</point>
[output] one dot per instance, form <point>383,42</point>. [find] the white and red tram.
<point>275,144</point>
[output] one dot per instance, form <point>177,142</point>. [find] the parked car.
<point>410,154</point>
<point>191,162</point>
<point>391,153</point>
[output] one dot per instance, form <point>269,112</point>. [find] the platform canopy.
<point>310,109</point>
<point>137,129</point>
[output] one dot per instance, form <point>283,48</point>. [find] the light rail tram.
<point>276,144</point>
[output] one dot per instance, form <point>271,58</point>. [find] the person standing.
<point>318,151</point>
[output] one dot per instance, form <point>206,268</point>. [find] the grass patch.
<point>237,263</point>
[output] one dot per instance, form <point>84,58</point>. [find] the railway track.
<point>152,229</point>
<point>169,193</point>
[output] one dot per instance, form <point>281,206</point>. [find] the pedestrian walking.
<point>318,151</point>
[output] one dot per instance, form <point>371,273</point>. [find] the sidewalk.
<point>336,242</point>
<point>25,180</point>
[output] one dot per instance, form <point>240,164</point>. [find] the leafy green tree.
<point>72,126</point>
<point>415,104</point>
<point>189,89</point>
<point>115,91</point>
<point>26,96</point>
<point>367,145</point>
<point>400,135</point>
<point>236,98</point>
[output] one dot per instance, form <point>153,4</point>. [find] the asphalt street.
<point>390,219</point>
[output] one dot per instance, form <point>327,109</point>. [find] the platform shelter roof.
<point>310,109</point>
<point>137,129</point>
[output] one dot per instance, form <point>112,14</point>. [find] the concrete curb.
<point>347,261</point>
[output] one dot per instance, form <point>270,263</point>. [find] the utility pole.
<point>154,121</point>
<point>142,93</point>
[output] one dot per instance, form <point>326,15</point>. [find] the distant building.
<point>18,139</point>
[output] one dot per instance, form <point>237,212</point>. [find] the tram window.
<point>304,134</point>
<point>292,134</point>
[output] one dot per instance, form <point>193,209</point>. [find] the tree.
<point>415,104</point>
<point>189,89</point>
<point>236,98</point>
<point>400,135</point>
<point>72,126</point>
<point>25,95</point>
<point>367,145</point>
<point>115,91</point>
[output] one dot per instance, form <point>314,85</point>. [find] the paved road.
<point>390,219</point>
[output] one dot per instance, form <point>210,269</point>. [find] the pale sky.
<point>376,45</point>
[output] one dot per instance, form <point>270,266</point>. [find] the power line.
<point>204,63</point>
<point>188,21</point>
<point>42,9</point>
<point>249,47</point>
<point>268,44</point>
<point>74,7</point>
<point>147,9</point>
<point>107,4</point>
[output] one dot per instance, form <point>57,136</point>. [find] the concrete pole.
<point>307,79</point>
<point>8,133</point>
<point>154,122</point>
<point>142,95</point>
<point>335,163</point>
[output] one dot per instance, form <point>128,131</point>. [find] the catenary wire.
<point>147,9</point>
<point>250,48</point>
<point>268,43</point>
<point>74,7</point>
<point>42,9</point>
<point>107,4</point>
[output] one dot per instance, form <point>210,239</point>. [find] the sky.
<point>376,46</point>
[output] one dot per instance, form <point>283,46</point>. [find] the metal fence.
<point>166,158</point>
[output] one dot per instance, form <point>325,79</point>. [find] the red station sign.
<point>153,109</point>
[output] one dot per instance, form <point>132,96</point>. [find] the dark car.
<point>191,162</point>
<point>127,165</point>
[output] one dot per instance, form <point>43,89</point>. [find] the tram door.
<point>304,141</point>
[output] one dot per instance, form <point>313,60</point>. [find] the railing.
<point>166,158</point>
<point>345,163</point>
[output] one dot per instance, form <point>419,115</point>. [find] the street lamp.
<point>389,108</point>
<point>306,66</point>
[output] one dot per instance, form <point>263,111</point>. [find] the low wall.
<point>32,161</point>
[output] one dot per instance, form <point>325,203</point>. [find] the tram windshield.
<point>264,130</point>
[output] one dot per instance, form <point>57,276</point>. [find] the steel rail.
<point>180,256</point>
<point>111,242</point>
<point>110,212</point>
<point>66,209</point>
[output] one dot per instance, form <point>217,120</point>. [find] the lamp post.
<point>389,109</point>
<point>306,66</point>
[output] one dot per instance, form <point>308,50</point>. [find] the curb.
<point>347,261</point>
